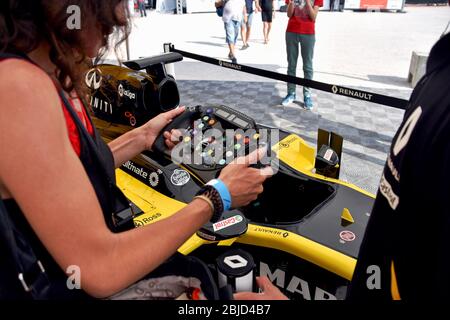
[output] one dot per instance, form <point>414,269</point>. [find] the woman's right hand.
<point>245,183</point>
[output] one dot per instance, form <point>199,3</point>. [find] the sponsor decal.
<point>391,167</point>
<point>126,93</point>
<point>135,169</point>
<point>144,221</point>
<point>93,79</point>
<point>328,155</point>
<point>153,179</point>
<point>406,131</point>
<point>287,143</point>
<point>206,236</point>
<point>180,177</point>
<point>388,193</point>
<point>101,105</point>
<point>227,223</point>
<point>230,65</point>
<point>352,93</point>
<point>335,89</point>
<point>347,236</point>
<point>235,262</point>
<point>131,118</point>
<point>274,232</point>
<point>295,285</point>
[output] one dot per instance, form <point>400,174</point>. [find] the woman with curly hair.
<point>55,190</point>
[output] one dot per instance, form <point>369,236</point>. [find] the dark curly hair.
<point>25,24</point>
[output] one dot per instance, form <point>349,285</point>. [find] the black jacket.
<point>408,236</point>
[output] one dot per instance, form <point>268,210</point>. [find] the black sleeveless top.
<point>98,162</point>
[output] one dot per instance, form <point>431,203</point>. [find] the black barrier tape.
<point>342,91</point>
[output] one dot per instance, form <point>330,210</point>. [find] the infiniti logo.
<point>93,79</point>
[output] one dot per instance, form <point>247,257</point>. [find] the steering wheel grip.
<point>182,121</point>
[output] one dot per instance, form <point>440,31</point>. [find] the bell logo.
<point>93,79</point>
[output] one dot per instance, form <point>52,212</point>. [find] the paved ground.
<point>370,51</point>
<point>367,128</point>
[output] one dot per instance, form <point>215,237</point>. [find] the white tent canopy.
<point>166,5</point>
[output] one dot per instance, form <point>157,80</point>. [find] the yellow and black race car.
<point>304,232</point>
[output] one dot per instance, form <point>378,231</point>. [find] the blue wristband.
<point>222,189</point>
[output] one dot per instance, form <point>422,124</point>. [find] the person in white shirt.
<point>233,13</point>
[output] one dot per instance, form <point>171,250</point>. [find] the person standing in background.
<point>247,23</point>
<point>301,31</point>
<point>233,14</point>
<point>267,12</point>
<point>142,10</point>
<point>332,4</point>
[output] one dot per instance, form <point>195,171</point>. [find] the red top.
<point>300,22</point>
<point>74,135</point>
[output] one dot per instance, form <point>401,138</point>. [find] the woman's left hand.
<point>153,128</point>
<point>269,292</point>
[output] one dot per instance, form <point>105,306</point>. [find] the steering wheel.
<point>200,118</point>
<point>182,121</point>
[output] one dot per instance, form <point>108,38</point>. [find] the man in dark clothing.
<point>405,253</point>
<point>267,13</point>
<point>406,250</point>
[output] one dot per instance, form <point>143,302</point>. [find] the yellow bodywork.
<point>293,151</point>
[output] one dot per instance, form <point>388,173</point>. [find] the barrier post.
<point>170,68</point>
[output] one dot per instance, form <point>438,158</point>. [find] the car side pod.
<point>128,95</point>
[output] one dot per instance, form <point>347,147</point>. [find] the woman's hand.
<point>172,138</point>
<point>270,292</point>
<point>243,182</point>
<point>153,128</point>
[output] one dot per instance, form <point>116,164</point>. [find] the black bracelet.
<point>212,194</point>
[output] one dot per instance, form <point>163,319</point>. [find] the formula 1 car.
<point>305,229</point>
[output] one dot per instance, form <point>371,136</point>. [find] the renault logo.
<point>93,79</point>
<point>335,89</point>
<point>235,262</point>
